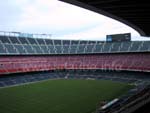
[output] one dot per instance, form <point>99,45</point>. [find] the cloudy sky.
<point>62,20</point>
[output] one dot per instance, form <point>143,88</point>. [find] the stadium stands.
<point>131,77</point>
<point>28,77</point>
<point>23,54</point>
<point>69,54</point>
<point>12,44</point>
<point>77,49</point>
<point>132,61</point>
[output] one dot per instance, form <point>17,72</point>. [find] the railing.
<point>129,102</point>
<point>27,35</point>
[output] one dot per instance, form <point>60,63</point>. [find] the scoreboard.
<point>118,37</point>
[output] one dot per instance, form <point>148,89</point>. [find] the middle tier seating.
<point>132,61</point>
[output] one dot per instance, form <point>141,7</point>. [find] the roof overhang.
<point>134,13</point>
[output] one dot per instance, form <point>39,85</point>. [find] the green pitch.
<point>59,96</point>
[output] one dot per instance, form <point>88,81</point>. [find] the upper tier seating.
<point>26,45</point>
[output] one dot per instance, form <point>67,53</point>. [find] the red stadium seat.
<point>15,64</point>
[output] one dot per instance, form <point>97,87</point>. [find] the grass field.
<point>59,96</point>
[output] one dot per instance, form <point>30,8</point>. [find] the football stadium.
<point>72,76</point>
<point>40,74</point>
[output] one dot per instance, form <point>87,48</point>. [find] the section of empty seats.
<point>89,48</point>
<point>107,47</point>
<point>10,44</point>
<point>73,42</point>
<point>29,49</point>
<point>52,49</point>
<point>81,48</point>
<point>125,46</point>
<point>66,49</point>
<point>58,49</point>
<point>4,39</point>
<point>48,42</point>
<point>73,49</point>
<point>32,41</point>
<point>115,47</point>
<point>20,49</point>
<point>41,41</point>
<point>38,49</point>
<point>98,47</point>
<point>135,46</point>
<point>11,49</point>
<point>2,49</point>
<point>14,40</point>
<point>57,42</point>
<point>132,61</point>
<point>23,40</point>
<point>45,49</point>
<point>145,46</point>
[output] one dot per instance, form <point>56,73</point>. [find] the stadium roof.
<point>135,13</point>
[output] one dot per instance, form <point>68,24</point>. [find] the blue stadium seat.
<point>20,49</point>
<point>73,49</point>
<point>2,49</point>
<point>11,49</point>
<point>89,48</point>
<point>145,46</point>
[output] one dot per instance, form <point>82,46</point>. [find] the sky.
<point>61,20</point>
